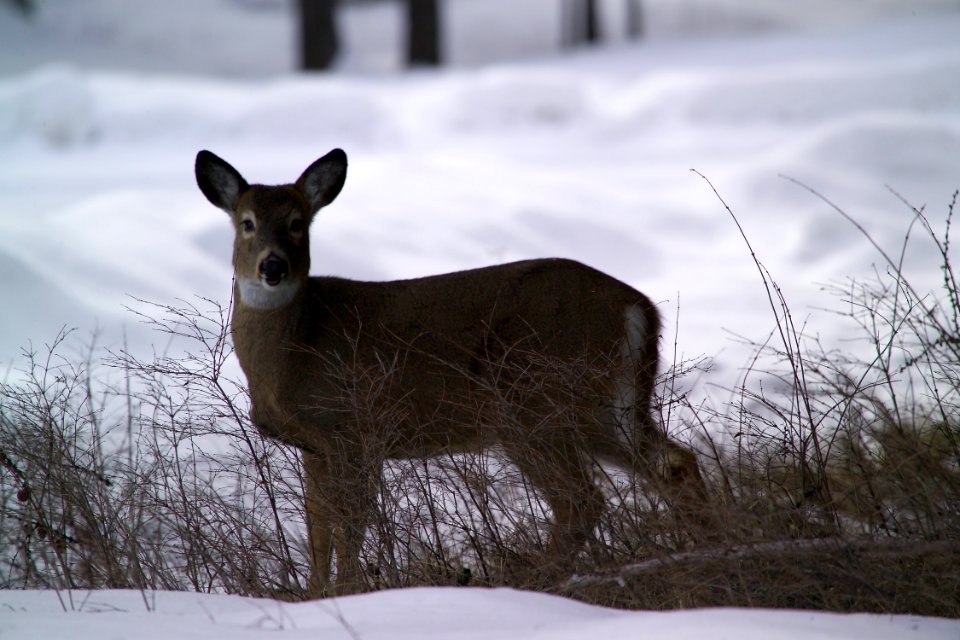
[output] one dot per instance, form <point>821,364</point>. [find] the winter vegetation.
<point>805,271</point>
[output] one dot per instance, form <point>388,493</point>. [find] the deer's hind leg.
<point>645,446</point>
<point>563,476</point>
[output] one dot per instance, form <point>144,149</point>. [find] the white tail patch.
<point>635,331</point>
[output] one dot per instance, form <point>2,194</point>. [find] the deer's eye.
<point>247,226</point>
<point>296,225</point>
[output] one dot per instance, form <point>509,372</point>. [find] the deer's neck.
<point>265,339</point>
<point>273,350</point>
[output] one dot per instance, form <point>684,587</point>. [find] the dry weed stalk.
<point>837,480</point>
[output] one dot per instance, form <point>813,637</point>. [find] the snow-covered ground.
<point>103,105</point>
<point>422,614</point>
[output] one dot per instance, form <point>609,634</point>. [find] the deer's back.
<point>561,307</point>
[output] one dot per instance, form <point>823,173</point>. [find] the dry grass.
<point>835,478</point>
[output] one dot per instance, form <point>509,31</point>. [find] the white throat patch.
<point>254,293</point>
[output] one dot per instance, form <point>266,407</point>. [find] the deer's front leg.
<point>320,521</point>
<point>351,494</point>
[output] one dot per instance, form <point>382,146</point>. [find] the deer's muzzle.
<point>273,269</point>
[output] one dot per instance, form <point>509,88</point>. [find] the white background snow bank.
<point>585,156</point>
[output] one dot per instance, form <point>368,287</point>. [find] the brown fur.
<point>450,356</point>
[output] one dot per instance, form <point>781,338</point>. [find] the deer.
<point>458,347</point>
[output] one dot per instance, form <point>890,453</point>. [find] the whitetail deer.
<point>459,348</point>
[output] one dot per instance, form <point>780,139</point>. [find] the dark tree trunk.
<point>318,34</point>
<point>634,19</point>
<point>582,24</point>
<point>590,22</point>
<point>423,32</point>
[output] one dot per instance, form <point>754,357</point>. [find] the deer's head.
<point>271,248</point>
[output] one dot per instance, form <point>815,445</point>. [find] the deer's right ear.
<point>222,184</point>
<point>323,180</point>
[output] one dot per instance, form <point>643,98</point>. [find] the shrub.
<point>835,476</point>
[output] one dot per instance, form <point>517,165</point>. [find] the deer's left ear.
<point>222,184</point>
<point>322,181</point>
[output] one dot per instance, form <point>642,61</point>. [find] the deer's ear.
<point>323,180</point>
<point>222,184</point>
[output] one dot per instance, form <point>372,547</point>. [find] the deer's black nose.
<point>273,269</point>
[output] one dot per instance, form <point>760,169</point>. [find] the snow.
<point>585,155</point>
<point>514,152</point>
<point>423,613</point>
